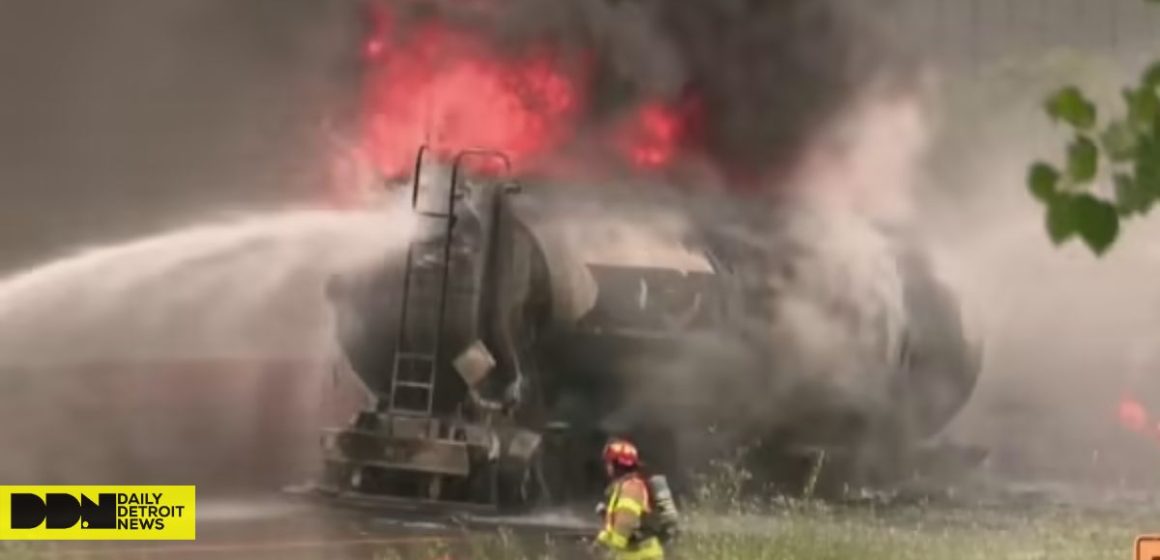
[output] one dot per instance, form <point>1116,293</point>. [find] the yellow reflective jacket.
<point>628,503</point>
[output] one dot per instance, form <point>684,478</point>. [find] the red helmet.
<point>621,452</point>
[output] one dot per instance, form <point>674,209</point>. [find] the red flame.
<point>437,86</point>
<point>653,136</point>
<point>374,47</point>
<point>1133,415</point>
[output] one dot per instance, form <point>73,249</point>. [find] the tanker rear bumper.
<point>408,457</point>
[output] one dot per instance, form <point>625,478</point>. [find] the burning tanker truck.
<point>522,330</point>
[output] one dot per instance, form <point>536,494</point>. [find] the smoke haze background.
<point>128,117</point>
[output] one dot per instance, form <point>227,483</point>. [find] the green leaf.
<point>1147,166</point>
<point>1119,141</point>
<point>1097,221</point>
<point>1070,105</point>
<point>1143,108</point>
<point>1148,176</point>
<point>1082,159</point>
<point>1152,74</point>
<point>1130,198</point>
<point>1043,179</point>
<point>1061,223</point>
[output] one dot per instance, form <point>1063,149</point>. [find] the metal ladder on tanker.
<point>412,388</point>
<point>417,350</point>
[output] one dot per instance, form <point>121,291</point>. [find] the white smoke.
<point>869,162</point>
<point>821,282</point>
<point>839,316</point>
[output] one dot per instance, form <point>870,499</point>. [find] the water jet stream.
<point>194,356</point>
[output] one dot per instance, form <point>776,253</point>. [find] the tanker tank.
<point>560,321</point>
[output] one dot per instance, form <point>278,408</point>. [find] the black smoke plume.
<point>760,77</point>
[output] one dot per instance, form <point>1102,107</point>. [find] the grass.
<point>809,531</point>
<point>916,533</point>
<point>814,532</point>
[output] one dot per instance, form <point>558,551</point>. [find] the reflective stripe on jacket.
<point>627,506</point>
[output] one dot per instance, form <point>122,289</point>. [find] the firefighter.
<point>625,534</point>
